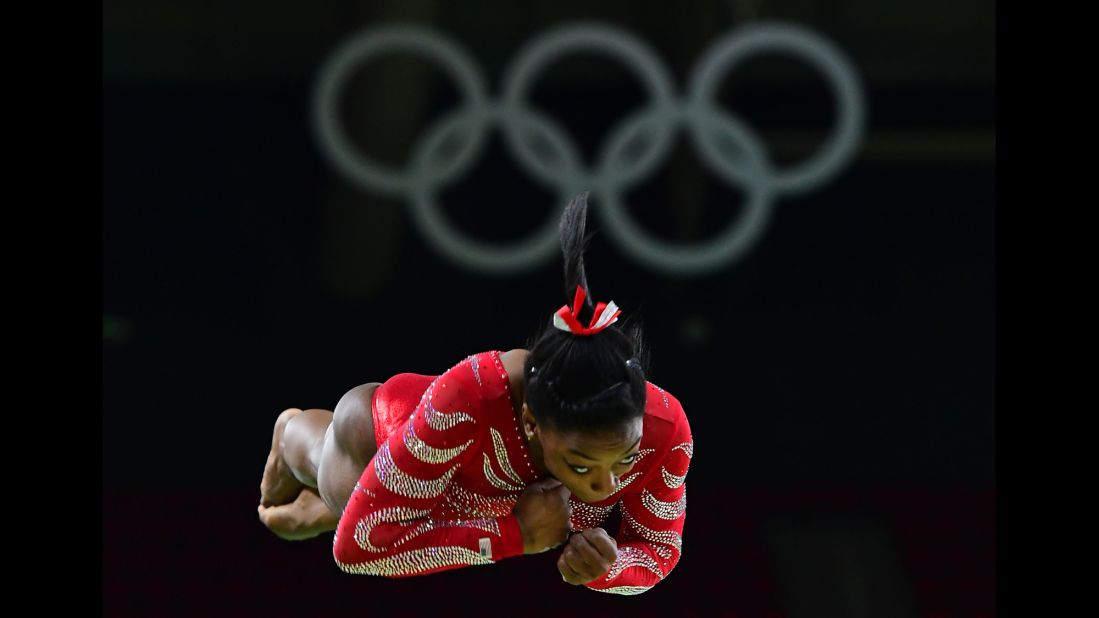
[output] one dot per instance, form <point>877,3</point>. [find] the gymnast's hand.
<point>543,512</point>
<point>588,556</point>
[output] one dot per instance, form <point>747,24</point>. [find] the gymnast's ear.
<point>530,425</point>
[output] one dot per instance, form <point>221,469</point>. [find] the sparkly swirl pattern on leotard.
<point>650,538</point>
<point>440,492</point>
<point>421,506</point>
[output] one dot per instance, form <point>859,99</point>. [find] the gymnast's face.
<point>590,464</point>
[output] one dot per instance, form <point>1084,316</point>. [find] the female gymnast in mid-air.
<point>505,453</point>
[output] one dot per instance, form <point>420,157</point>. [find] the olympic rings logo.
<point>635,147</point>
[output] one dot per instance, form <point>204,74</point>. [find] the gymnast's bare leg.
<point>316,458</point>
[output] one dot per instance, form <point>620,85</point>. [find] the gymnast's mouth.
<point>589,498</point>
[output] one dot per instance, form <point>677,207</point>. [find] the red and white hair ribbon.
<point>566,319</point>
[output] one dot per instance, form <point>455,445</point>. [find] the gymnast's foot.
<point>304,518</point>
<point>279,486</point>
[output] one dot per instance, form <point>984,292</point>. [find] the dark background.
<point>839,377</point>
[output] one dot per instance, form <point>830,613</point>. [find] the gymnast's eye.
<point>579,469</point>
<point>629,460</point>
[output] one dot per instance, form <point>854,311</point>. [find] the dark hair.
<point>578,383</point>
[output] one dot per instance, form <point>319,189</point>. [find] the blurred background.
<point>287,215</point>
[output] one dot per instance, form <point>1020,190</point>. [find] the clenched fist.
<point>587,556</point>
<point>543,512</point>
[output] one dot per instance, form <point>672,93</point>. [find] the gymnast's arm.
<point>650,539</point>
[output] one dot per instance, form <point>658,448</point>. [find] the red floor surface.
<point>204,553</point>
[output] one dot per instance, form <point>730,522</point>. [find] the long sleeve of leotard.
<point>387,529</point>
<point>650,539</point>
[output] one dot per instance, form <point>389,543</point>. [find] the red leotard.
<point>451,464</point>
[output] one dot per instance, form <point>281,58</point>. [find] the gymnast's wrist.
<point>511,538</point>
